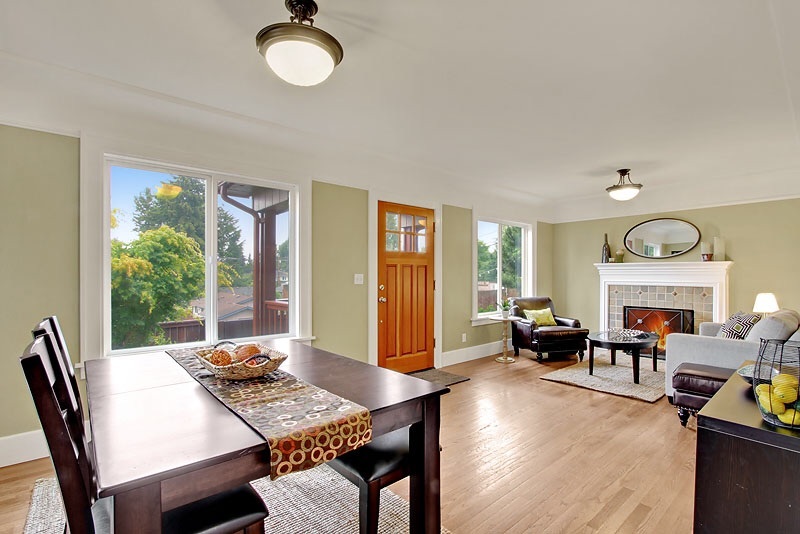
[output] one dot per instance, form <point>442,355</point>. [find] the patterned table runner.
<point>303,424</point>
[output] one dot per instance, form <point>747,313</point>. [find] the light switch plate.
<point>358,278</point>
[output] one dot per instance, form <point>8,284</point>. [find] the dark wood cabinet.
<point>747,477</point>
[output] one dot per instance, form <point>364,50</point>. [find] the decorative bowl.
<point>266,361</point>
<point>747,371</point>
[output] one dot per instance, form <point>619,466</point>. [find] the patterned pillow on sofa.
<point>738,325</point>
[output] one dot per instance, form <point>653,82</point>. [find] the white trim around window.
<point>95,208</point>
<point>527,256</point>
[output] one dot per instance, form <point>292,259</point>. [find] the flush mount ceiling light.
<point>624,190</point>
<point>296,51</point>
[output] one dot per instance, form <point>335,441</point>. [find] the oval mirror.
<point>662,238</point>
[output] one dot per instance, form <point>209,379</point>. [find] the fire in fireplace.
<point>662,321</point>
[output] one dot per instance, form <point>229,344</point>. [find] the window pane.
<point>253,261</point>
<point>487,266</point>
<point>420,243</point>
<point>422,223</point>
<point>512,261</point>
<point>392,242</point>
<point>157,257</point>
<point>406,223</point>
<point>406,243</point>
<point>391,222</point>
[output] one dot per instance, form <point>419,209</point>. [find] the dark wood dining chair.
<point>50,325</point>
<point>65,387</point>
<point>372,467</point>
<point>237,510</point>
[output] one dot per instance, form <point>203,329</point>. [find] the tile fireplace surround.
<point>698,286</point>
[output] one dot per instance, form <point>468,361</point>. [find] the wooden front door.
<point>405,287</point>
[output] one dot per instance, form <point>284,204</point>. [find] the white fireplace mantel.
<point>712,274</point>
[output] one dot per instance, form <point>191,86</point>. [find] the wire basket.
<point>266,361</point>
<point>776,382</point>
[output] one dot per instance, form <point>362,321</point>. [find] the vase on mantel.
<point>706,251</point>
<point>606,250</point>
<point>719,249</point>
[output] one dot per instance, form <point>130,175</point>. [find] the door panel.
<point>405,287</point>
<point>422,326</point>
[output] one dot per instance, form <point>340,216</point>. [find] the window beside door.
<point>177,237</point>
<point>502,261</point>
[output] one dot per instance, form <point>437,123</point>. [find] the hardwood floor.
<point>526,455</point>
<point>17,483</point>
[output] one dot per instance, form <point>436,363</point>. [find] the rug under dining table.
<point>318,500</point>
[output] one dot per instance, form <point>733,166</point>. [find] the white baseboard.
<point>471,353</point>
<point>23,447</point>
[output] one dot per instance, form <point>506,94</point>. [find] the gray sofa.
<point>708,349</point>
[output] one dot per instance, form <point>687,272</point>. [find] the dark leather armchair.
<point>567,337</point>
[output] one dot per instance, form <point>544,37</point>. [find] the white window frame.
<point>526,255</point>
<point>96,253</point>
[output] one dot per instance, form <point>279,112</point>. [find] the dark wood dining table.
<point>162,440</point>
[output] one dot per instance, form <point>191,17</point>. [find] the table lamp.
<point>765,304</point>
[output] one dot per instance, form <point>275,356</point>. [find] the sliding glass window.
<point>177,237</point>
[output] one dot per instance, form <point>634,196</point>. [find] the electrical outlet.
<point>463,338</point>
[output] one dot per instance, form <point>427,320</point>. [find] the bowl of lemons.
<point>778,400</point>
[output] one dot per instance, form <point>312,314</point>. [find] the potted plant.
<point>504,306</point>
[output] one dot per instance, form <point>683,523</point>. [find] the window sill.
<point>481,321</point>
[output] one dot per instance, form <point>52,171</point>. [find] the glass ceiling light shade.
<point>297,52</point>
<point>624,190</point>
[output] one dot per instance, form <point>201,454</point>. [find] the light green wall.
<point>339,250</point>
<point>759,239</point>
<point>544,259</point>
<point>39,251</point>
<point>339,227</point>
<point>40,177</point>
<point>457,283</point>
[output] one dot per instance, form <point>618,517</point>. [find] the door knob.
<point>382,299</point>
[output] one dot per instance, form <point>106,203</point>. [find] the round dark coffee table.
<point>615,340</point>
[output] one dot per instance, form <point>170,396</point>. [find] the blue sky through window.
<point>127,183</point>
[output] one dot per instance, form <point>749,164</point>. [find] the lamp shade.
<point>299,54</point>
<point>765,303</point>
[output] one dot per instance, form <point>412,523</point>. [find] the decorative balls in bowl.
<point>240,362</point>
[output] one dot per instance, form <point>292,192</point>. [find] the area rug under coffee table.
<point>615,379</point>
<point>318,500</point>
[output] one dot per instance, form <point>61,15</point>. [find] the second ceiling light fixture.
<point>296,51</point>
<point>624,190</point>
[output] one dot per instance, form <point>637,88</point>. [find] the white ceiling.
<point>541,101</point>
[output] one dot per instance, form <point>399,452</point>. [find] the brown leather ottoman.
<point>694,385</point>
